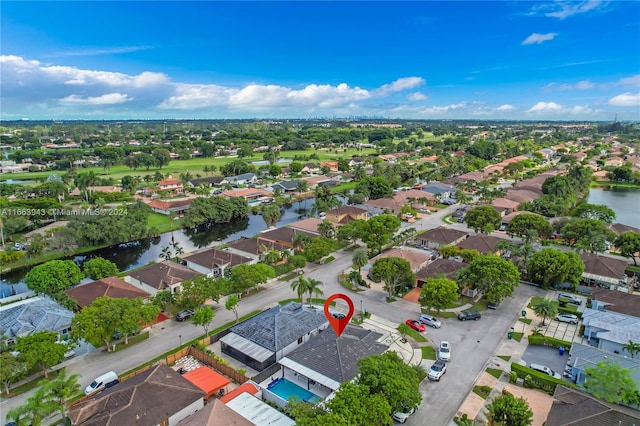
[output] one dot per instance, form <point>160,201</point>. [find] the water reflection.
<point>141,252</point>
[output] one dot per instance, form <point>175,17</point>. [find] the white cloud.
<point>399,85</point>
<point>633,81</point>
<point>536,38</point>
<point>581,110</point>
<point>97,51</point>
<point>545,107</point>
<point>505,107</point>
<point>627,99</point>
<point>108,99</point>
<point>565,9</point>
<point>417,96</point>
<point>581,85</point>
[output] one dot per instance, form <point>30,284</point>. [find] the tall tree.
<point>484,219</point>
<point>231,304</point>
<point>629,245</point>
<point>588,234</point>
<point>507,410</point>
<point>360,258</point>
<point>41,349</point>
<point>608,380</point>
<point>387,374</point>
<point>203,317</point>
<point>326,229</point>
<point>11,369</point>
<point>438,293</point>
<point>544,308</point>
<point>34,411</point>
<point>53,277</point>
<point>313,288</point>
<point>162,156</point>
<point>594,211</point>
<point>244,277</point>
<point>552,266</point>
<point>60,391</point>
<point>98,268</point>
<point>395,272</point>
<point>271,215</point>
<point>300,287</point>
<point>631,347</point>
<point>522,224</point>
<point>494,276</point>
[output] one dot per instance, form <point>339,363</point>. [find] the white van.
<point>106,380</point>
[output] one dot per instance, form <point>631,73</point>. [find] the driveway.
<point>546,356</point>
<point>561,330</point>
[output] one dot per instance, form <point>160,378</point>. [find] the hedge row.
<point>537,379</point>
<point>548,341</point>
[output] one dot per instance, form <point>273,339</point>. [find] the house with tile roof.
<point>587,356</point>
<point>572,407</point>
<point>158,396</point>
<point>267,337</point>
<point>255,248</point>
<point>308,225</point>
<point>32,315</point>
<point>446,268</point>
<point>177,207</point>
<point>214,263</point>
<point>252,195</point>
<point>326,361</point>
<point>418,259</point>
<point>621,228</point>
<point>284,235</point>
<point>243,179</point>
<point>440,236</point>
<point>603,270</point>
<point>484,244</point>
<point>165,275</point>
<point>113,287</point>
<point>216,413</point>
<point>603,299</point>
<point>346,214</point>
<point>170,184</point>
<point>286,185</point>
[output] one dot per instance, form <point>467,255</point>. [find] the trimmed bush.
<point>548,341</point>
<point>536,379</point>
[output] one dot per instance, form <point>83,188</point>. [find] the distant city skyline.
<point>482,60</point>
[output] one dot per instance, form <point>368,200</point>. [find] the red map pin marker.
<point>338,324</point>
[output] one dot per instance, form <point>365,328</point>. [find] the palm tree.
<point>61,390</point>
<point>544,308</point>
<point>300,287</point>
<point>632,348</point>
<point>313,287</point>
<point>300,241</point>
<point>360,258</point>
<point>36,409</point>
<point>270,215</point>
<point>326,229</point>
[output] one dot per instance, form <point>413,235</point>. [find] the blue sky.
<point>528,60</point>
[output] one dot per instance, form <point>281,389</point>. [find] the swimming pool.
<point>286,389</point>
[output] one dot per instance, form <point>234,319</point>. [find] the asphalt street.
<point>472,342</point>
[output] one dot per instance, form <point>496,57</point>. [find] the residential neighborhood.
<point>209,280</point>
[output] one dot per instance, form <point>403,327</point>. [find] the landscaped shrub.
<point>548,341</point>
<point>536,379</point>
<point>513,377</point>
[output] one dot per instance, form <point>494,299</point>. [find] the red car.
<point>416,325</point>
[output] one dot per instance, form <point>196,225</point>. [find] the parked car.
<point>502,227</point>
<point>493,305</point>
<point>430,320</point>
<point>469,315</point>
<point>444,353</point>
<point>546,370</point>
<point>183,315</point>
<point>437,370</point>
<point>416,325</point>
<point>106,380</point>
<point>402,416</point>
<point>569,298</point>
<point>338,315</point>
<point>570,318</point>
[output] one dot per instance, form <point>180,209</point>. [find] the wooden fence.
<point>207,359</point>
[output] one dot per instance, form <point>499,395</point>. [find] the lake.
<point>625,202</point>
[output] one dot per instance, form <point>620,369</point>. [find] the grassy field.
<point>428,352</point>
<point>193,165</point>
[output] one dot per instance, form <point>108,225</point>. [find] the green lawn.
<point>517,336</point>
<point>193,165</point>
<point>482,391</point>
<point>416,336</point>
<point>505,357</point>
<point>428,352</point>
<point>132,341</point>
<point>495,372</point>
<point>30,385</point>
<point>525,320</point>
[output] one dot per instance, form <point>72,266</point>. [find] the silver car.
<point>570,318</point>
<point>431,321</point>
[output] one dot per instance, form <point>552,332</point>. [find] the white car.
<point>546,370</point>
<point>570,318</point>
<point>402,416</point>
<point>444,353</point>
<point>437,370</point>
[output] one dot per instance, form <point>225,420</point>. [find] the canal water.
<point>141,252</point>
<point>625,202</point>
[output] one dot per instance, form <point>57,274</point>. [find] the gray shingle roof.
<point>337,358</point>
<point>278,327</point>
<point>33,315</point>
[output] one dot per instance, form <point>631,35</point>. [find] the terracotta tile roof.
<point>169,181</point>
<point>246,192</point>
<point>249,387</point>
<point>505,203</point>
<point>253,245</point>
<point>112,287</point>
<point>166,205</point>
<point>310,225</point>
<point>521,195</point>
<point>441,235</point>
<point>485,244</point>
<point>149,398</point>
<point>164,274</point>
<point>212,257</point>
<point>621,228</point>
<point>215,413</point>
<point>414,257</point>
<point>346,210</point>
<point>440,267</point>
<point>284,235</point>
